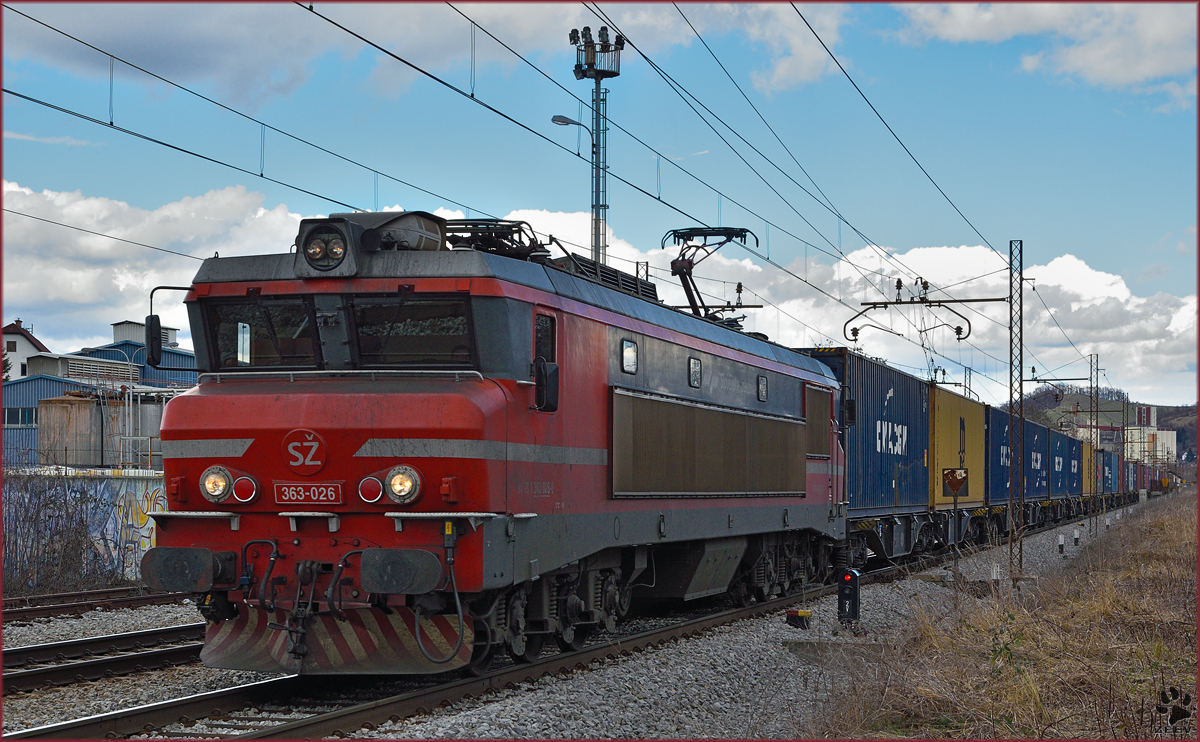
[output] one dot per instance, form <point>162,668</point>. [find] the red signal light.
<point>846,577</point>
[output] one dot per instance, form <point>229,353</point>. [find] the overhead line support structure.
<point>851,333</point>
<point>1016,411</point>
<point>597,60</point>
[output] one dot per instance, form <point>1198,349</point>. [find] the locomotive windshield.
<point>263,333</point>
<point>413,333</point>
<point>355,331</point>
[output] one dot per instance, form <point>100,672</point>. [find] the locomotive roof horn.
<point>692,242</point>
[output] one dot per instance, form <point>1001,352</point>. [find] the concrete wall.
<point>103,513</point>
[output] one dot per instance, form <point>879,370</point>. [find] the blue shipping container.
<point>1037,461</point>
<point>1074,467</point>
<point>886,470</point>
<point>1059,464</point>
<point>997,456</point>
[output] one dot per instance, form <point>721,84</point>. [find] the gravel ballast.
<point>98,623</point>
<point>739,680</point>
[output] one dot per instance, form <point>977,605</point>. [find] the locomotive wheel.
<point>530,648</point>
<point>574,637</point>
<point>482,655</point>
<point>481,660</point>
<point>522,647</point>
<point>740,590</point>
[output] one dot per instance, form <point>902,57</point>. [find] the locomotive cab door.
<point>535,428</point>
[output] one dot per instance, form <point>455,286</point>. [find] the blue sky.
<point>1071,127</point>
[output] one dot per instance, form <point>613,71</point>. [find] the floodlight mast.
<point>598,60</point>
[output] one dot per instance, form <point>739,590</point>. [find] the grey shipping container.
<point>887,444</point>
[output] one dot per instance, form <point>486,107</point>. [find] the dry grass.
<point>1103,648</point>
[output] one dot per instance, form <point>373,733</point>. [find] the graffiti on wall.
<point>61,529</point>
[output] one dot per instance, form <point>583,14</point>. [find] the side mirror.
<point>153,340</point>
<point>849,413</point>
<point>545,377</point>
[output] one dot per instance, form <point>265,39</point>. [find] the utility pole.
<point>598,60</point>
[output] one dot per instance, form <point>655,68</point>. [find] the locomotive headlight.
<point>215,484</point>
<point>324,248</point>
<point>403,485</point>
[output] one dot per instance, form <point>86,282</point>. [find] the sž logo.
<point>304,451</point>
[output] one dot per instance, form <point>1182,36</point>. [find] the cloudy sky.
<point>1071,127</point>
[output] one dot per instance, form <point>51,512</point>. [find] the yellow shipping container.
<point>956,435</point>
<point>1089,468</point>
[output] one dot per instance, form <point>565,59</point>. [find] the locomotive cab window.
<point>403,331</point>
<point>695,373</point>
<point>544,337</point>
<point>262,333</point>
<point>629,356</point>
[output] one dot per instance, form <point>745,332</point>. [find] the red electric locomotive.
<point>417,442</point>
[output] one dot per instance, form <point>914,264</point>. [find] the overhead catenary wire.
<point>874,244</point>
<point>100,234</point>
<point>543,137</point>
<point>236,112</point>
<point>341,203</point>
<point>676,87</point>
<point>177,148</point>
<point>894,134</point>
<point>651,148</point>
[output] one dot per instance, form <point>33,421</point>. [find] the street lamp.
<point>564,121</point>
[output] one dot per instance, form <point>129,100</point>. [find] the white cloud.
<point>69,141</point>
<point>71,285</point>
<point>1119,45</point>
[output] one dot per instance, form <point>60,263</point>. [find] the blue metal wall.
<point>136,353</point>
<point>887,469</point>
<point>26,391</point>
<point>1037,461</point>
<point>1059,464</point>
<point>20,446</point>
<point>1075,467</point>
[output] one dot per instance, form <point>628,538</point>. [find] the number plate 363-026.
<point>308,494</point>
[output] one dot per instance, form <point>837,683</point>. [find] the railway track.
<point>61,604</point>
<point>74,661</point>
<point>305,707</point>
<point>271,708</point>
